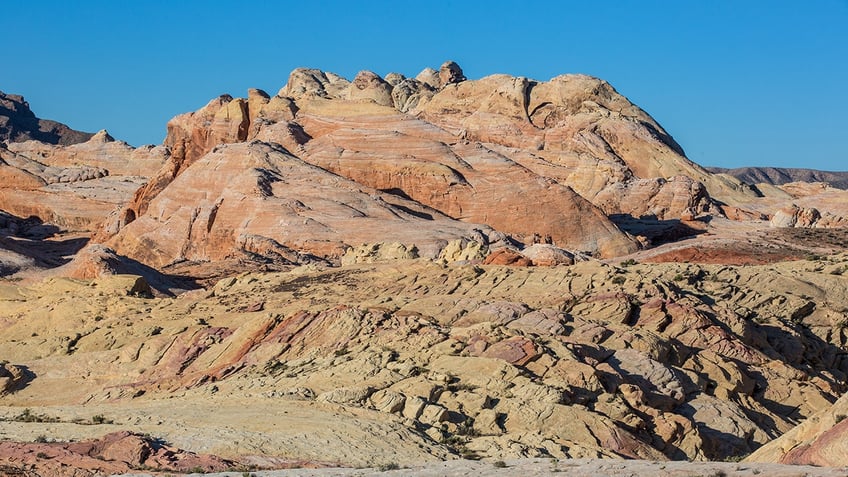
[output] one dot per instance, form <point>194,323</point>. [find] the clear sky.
<point>753,82</point>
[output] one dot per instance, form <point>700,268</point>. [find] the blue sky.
<point>735,82</point>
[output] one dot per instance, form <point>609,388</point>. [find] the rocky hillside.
<point>820,440</point>
<point>541,162</point>
<point>503,162</point>
<point>18,123</point>
<point>415,360</point>
<point>438,267</point>
<point>74,187</point>
<point>782,175</point>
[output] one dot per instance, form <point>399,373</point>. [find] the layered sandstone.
<point>112,454</point>
<point>257,198</point>
<point>519,155</point>
<point>783,175</point>
<point>77,186</point>
<point>821,440</point>
<point>413,360</point>
<point>425,151</point>
<point>575,127</point>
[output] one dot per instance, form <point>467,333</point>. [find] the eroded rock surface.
<point>76,186</point>
<point>417,360</point>
<point>115,453</point>
<point>820,440</point>
<point>272,204</point>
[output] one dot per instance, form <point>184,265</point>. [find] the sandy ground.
<point>571,468</point>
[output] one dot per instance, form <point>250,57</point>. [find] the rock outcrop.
<point>794,216</point>
<point>258,199</point>
<point>783,175</point>
<point>804,217</point>
<point>573,128</point>
<point>519,155</point>
<point>424,360</point>
<point>77,186</point>
<point>12,378</point>
<point>358,128</point>
<point>821,440</point>
<point>114,453</point>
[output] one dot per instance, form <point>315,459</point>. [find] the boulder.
<point>546,255</point>
<point>450,73</point>
<point>794,216</point>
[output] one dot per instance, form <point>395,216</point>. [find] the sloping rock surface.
<point>114,453</point>
<point>77,186</point>
<point>415,360</point>
<point>820,440</point>
<point>256,198</point>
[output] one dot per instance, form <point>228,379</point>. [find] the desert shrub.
<point>101,419</point>
<point>469,454</point>
<point>466,428</point>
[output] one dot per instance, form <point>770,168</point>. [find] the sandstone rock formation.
<point>820,440</point>
<point>112,454</point>
<point>794,216</point>
<point>411,260</point>
<point>450,73</point>
<point>470,183</point>
<point>272,204</point>
<point>783,175</point>
<point>333,123</point>
<point>809,217</point>
<point>96,260</point>
<point>77,186</point>
<point>415,360</point>
<point>28,245</point>
<point>12,378</point>
<point>574,128</point>
<point>519,155</point>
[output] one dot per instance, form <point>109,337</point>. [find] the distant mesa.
<point>782,175</point>
<point>18,123</point>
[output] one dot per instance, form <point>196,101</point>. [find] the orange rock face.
<point>258,199</point>
<point>399,136</point>
<point>74,186</point>
<point>507,257</point>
